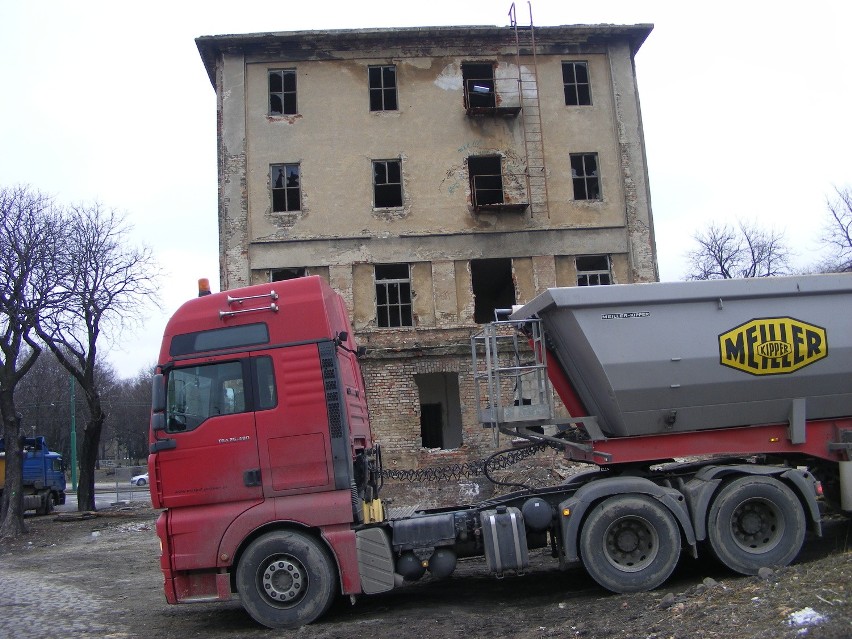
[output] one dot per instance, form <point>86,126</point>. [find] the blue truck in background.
<point>43,478</point>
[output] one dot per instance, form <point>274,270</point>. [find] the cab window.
<point>198,393</point>
<point>266,396</point>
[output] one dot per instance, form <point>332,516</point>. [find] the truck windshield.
<point>198,393</point>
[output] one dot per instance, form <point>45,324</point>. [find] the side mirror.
<point>158,393</point>
<point>158,421</point>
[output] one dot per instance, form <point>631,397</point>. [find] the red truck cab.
<point>259,424</point>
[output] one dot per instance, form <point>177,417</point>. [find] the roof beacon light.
<point>203,287</point>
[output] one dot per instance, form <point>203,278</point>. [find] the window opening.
<point>382,81</point>
<point>282,92</point>
<point>575,78</point>
<point>478,85</point>
<point>284,274</point>
<point>486,180</point>
<point>593,270</point>
<point>440,410</point>
<point>493,287</point>
<point>584,174</point>
<point>387,183</point>
<point>286,189</point>
<point>393,295</point>
<point>431,425</point>
<point>199,393</point>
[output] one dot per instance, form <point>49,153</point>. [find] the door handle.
<point>252,477</point>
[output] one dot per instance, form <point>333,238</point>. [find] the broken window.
<point>493,287</point>
<point>283,274</point>
<point>486,180</point>
<point>382,88</point>
<point>387,183</point>
<point>440,410</point>
<point>593,270</point>
<point>479,90</point>
<point>286,188</point>
<point>575,78</point>
<point>282,92</point>
<point>393,295</point>
<point>584,174</point>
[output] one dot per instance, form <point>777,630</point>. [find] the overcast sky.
<point>745,107</point>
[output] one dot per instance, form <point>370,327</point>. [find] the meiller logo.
<point>772,346</point>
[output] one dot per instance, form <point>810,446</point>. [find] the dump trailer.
<point>708,414</point>
<point>43,476</point>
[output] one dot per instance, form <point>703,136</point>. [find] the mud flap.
<point>375,560</point>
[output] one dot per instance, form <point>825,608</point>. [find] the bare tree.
<point>130,413</point>
<point>30,258</point>
<point>837,234</point>
<point>43,398</point>
<point>726,252</point>
<point>108,283</point>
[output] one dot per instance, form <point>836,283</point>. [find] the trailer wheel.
<point>285,579</point>
<point>756,522</point>
<point>630,543</point>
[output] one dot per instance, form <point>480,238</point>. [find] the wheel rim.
<point>757,525</point>
<point>631,544</point>
<point>283,580</point>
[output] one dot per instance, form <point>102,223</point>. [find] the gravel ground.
<point>99,577</point>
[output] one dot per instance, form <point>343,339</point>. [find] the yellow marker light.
<point>774,440</point>
<point>566,512</point>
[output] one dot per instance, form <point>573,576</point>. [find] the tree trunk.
<point>89,454</point>
<point>12,509</point>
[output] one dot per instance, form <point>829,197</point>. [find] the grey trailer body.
<point>686,356</point>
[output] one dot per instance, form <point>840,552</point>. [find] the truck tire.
<point>286,579</point>
<point>755,522</point>
<point>46,504</point>
<point>630,543</point>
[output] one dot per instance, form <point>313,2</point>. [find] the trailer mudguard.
<point>699,491</point>
<point>577,505</point>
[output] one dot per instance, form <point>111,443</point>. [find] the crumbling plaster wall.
<point>642,255</point>
<point>234,263</point>
<point>335,138</point>
<point>336,185</point>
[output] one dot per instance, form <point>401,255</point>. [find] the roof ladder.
<point>536,173</point>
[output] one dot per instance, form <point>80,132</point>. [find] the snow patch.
<point>468,490</point>
<point>804,618</point>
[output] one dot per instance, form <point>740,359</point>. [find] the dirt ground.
<point>103,580</point>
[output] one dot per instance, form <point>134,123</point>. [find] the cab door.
<point>210,455</point>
